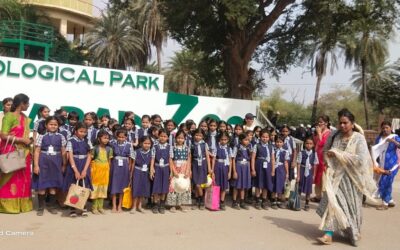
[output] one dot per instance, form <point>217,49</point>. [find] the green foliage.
<point>291,113</point>
<point>383,88</point>
<point>62,51</point>
<point>332,102</point>
<point>151,23</point>
<point>114,43</point>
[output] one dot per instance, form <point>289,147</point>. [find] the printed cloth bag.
<point>77,195</point>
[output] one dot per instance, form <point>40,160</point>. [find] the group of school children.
<point>107,157</point>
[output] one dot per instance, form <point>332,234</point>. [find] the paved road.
<point>253,229</point>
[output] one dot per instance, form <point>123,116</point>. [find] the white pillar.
<point>63,27</point>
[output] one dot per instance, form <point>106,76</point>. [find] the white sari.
<point>349,175</point>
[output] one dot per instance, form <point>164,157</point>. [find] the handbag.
<point>294,199</point>
<point>77,195</point>
<point>287,189</point>
<point>12,161</point>
<point>212,197</point>
<point>127,198</point>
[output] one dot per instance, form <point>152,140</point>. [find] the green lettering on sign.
<point>77,110</point>
<point>153,82</point>
<point>84,77</point>
<point>67,79</point>
<point>95,81</point>
<point>187,104</point>
<point>2,67</point>
<point>115,76</point>
<point>46,72</point>
<point>141,80</point>
<point>129,81</point>
<point>9,73</point>
<point>102,111</point>
<point>27,74</point>
<point>33,113</point>
<point>235,120</point>
<point>211,116</point>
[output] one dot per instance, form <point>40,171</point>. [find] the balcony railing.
<point>20,33</point>
<point>29,33</point>
<point>83,6</point>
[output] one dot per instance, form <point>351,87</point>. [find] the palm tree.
<point>366,46</point>
<point>182,74</point>
<point>152,24</point>
<point>381,79</point>
<point>319,61</point>
<point>114,43</point>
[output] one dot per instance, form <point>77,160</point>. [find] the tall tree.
<point>275,34</point>
<point>229,29</point>
<point>152,23</point>
<point>383,85</point>
<point>182,74</point>
<point>366,44</point>
<point>326,20</point>
<point>113,42</point>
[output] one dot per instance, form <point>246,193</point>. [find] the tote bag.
<point>77,195</point>
<point>12,161</point>
<point>212,197</point>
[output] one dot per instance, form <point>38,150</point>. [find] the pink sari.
<point>15,187</point>
<point>319,148</point>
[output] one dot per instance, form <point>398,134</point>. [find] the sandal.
<point>315,199</point>
<point>382,207</point>
<point>325,240</point>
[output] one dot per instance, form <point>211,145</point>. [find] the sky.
<point>299,85</point>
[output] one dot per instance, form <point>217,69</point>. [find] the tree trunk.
<point>158,51</point>
<point>364,84</point>
<point>236,73</point>
<point>315,104</point>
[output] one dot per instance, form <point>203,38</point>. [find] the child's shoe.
<point>258,204</point>
<point>244,205</point>
<point>235,205</point>
<point>222,205</point>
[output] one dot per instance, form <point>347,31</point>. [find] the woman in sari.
<point>347,178</point>
<point>321,136</point>
<point>15,187</point>
<point>388,162</point>
<point>7,103</point>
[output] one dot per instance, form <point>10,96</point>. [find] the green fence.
<point>24,33</point>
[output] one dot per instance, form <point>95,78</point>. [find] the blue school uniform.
<point>171,139</point>
<point>281,156</point>
<point>290,146</point>
<point>120,174</point>
<point>212,141</point>
<point>142,132</point>
<point>91,136</point>
<point>161,154</point>
<point>80,149</point>
<point>65,132</point>
<point>199,162</point>
<point>307,160</point>
<point>40,126</point>
<point>223,154</point>
<point>50,161</point>
<point>242,162</point>
<point>132,135</point>
<point>141,178</point>
<point>263,166</point>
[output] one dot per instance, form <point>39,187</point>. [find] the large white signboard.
<point>102,90</point>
